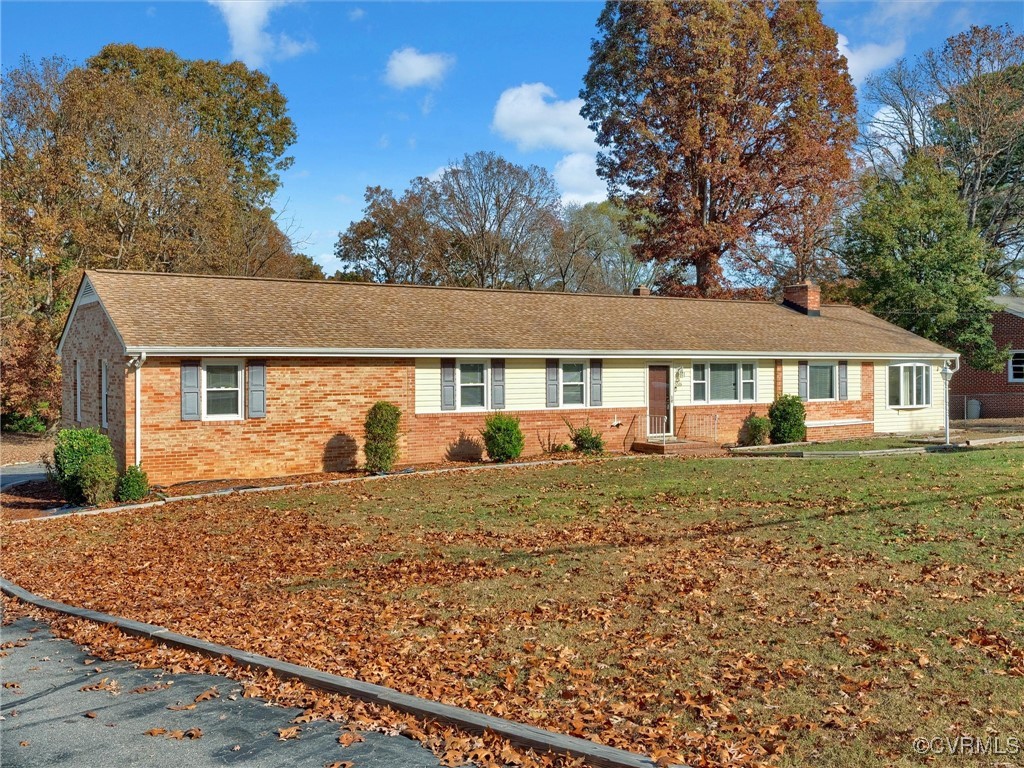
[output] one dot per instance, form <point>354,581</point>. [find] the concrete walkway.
<point>20,473</point>
<point>45,724</point>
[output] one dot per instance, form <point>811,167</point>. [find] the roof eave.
<point>210,351</point>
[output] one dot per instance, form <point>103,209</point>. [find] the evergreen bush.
<point>73,447</point>
<point>585,439</point>
<point>381,430</point>
<point>787,415</point>
<point>133,485</point>
<point>756,430</point>
<point>503,437</point>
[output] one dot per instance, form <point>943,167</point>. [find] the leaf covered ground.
<point>718,612</point>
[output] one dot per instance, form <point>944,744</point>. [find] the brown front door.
<point>659,420</point>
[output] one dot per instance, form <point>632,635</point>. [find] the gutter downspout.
<point>136,364</point>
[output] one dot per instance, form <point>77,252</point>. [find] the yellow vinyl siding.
<point>928,419</point>
<point>625,384</point>
<point>428,384</point>
<point>765,381</point>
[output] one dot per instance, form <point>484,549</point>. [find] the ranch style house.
<point>204,377</point>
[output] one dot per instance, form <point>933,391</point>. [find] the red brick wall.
<point>731,417</point>
<point>314,422</point>
<point>90,340</point>
<point>436,436</point>
<point>999,397</point>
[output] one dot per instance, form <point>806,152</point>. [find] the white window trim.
<point>901,407</point>
<point>458,385</point>
<point>240,414</point>
<point>561,384</point>
<point>1009,367</point>
<point>103,393</point>
<point>738,365</point>
<point>78,391</point>
<point>835,380</point>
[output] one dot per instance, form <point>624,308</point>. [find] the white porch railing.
<point>657,428</point>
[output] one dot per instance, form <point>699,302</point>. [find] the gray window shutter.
<point>257,396</point>
<point>596,385</point>
<point>190,410</point>
<point>498,384</point>
<point>844,390</point>
<point>551,384</point>
<point>802,379</point>
<point>447,384</point>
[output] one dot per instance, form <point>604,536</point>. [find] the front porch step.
<point>675,447</point>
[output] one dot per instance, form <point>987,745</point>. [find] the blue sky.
<point>383,92</point>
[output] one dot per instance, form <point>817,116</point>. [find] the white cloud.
<point>247,27</point>
<point>356,14</point>
<point>530,116</point>
<point>384,141</point>
<point>438,172</point>
<point>408,68</point>
<point>576,174</point>
<point>870,57</point>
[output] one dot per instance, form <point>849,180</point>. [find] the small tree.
<point>787,415</point>
<point>503,437</point>
<point>381,430</point>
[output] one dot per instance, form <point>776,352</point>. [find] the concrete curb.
<point>519,734</point>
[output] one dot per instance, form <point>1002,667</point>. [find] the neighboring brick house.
<point>999,394</point>
<point>218,377</point>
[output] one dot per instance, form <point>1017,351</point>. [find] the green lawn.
<point>795,613</point>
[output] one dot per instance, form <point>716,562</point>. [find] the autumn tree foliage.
<point>490,223</point>
<point>963,102</point>
<point>719,121</point>
<point>139,160</point>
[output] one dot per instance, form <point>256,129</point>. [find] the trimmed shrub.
<point>787,415</point>
<point>503,437</point>
<point>756,430</point>
<point>133,485</point>
<point>97,478</point>
<point>585,439</point>
<point>381,427</point>
<point>31,424</point>
<point>70,452</point>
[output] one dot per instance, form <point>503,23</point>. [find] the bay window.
<point>910,385</point>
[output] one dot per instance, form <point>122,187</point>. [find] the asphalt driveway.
<point>20,473</point>
<point>45,722</point>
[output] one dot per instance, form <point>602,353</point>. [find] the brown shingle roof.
<point>161,312</point>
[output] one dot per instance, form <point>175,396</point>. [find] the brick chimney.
<point>642,290</point>
<point>803,297</point>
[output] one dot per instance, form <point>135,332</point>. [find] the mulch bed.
<point>34,498</point>
<point>30,499</point>
<point>18,448</point>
